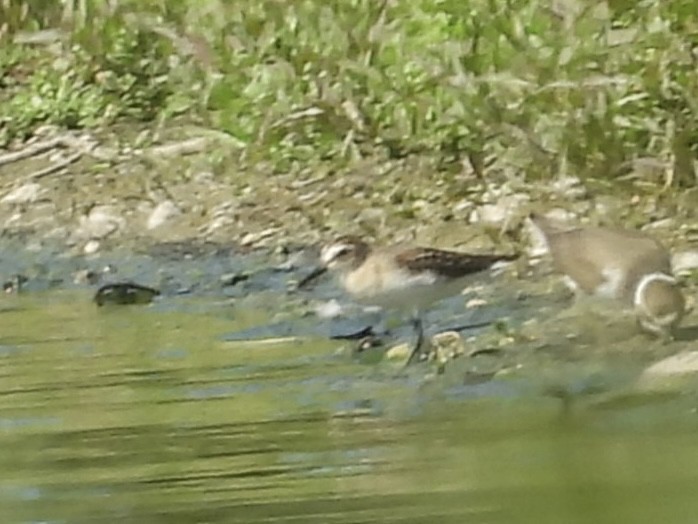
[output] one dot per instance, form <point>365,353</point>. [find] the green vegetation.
<point>526,87</point>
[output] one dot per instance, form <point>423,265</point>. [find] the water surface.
<point>162,414</point>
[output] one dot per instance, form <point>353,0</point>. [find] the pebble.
<point>685,261</point>
<point>674,373</point>
<point>475,302</point>
<point>100,222</point>
<point>163,212</point>
<point>254,238</point>
<point>679,364</point>
<point>448,345</point>
<point>570,187</point>
<point>398,352</point>
<point>24,194</point>
<point>502,213</point>
<point>91,247</point>
<point>331,309</point>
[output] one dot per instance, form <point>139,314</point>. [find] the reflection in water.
<point>152,415</point>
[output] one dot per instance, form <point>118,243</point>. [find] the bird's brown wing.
<point>449,264</point>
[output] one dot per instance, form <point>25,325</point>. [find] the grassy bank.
<point>527,88</point>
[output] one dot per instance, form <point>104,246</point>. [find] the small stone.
<point>100,222</point>
<point>475,302</point>
<point>91,247</point>
<point>685,261</point>
<point>448,345</point>
<point>560,214</point>
<point>331,309</point>
<point>256,238</point>
<point>570,187</point>
<point>503,213</point>
<point>462,206</point>
<point>399,352</point>
<point>14,217</point>
<point>24,194</point>
<point>680,364</point>
<point>665,223</point>
<point>372,215</point>
<point>674,373</point>
<point>162,213</point>
<point>204,177</point>
<point>216,224</point>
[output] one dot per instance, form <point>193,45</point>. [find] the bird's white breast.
<point>399,289</point>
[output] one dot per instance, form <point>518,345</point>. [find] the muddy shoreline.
<point>171,216</point>
<point>130,190</point>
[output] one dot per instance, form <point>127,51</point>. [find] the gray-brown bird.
<point>624,265</point>
<point>400,277</point>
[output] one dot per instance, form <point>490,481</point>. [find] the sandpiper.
<point>624,265</point>
<point>400,277</point>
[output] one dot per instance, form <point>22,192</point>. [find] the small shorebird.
<point>624,265</point>
<point>400,278</point>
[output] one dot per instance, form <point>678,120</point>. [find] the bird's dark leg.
<point>419,332</point>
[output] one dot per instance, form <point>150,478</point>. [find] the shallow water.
<point>164,413</point>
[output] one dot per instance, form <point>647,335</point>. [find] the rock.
<point>100,222</point>
<point>685,261</point>
<point>331,309</point>
<point>447,345</point>
<point>560,214</point>
<point>672,373</point>
<point>462,206</point>
<point>256,239</point>
<point>399,352</point>
<point>24,194</point>
<point>91,247</point>
<point>218,223</point>
<point>14,217</point>
<point>204,177</point>
<point>679,364</point>
<point>503,213</point>
<point>569,187</point>
<point>375,216</point>
<point>162,213</point>
<point>475,302</point>
<point>665,223</point>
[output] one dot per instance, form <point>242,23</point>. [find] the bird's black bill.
<point>314,275</point>
<point>358,335</point>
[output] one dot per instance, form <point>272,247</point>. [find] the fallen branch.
<point>54,167</point>
<point>185,147</point>
<point>32,150</point>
